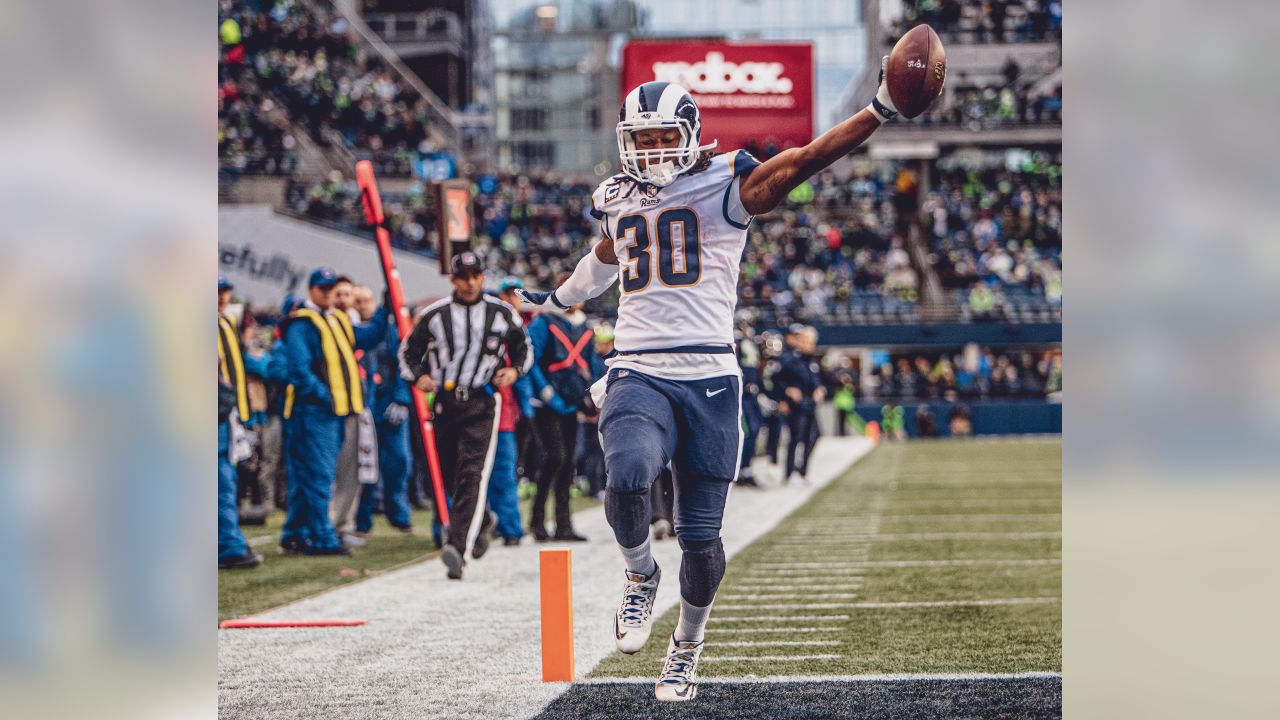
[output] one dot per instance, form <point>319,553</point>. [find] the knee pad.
<point>701,570</point>
<point>628,514</point>
<point>630,470</point>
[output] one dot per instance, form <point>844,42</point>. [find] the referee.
<point>458,349</point>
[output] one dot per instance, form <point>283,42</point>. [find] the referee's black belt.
<point>687,349</point>
<point>463,394</point>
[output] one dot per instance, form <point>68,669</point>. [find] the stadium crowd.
<point>290,64</point>
<point>997,233</point>
<point>982,21</point>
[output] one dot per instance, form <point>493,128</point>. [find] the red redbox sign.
<point>750,94</point>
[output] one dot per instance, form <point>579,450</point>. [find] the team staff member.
<point>391,410</point>
<point>801,385</point>
<point>326,389</point>
<point>233,398</point>
<point>458,349</point>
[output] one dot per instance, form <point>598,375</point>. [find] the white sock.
<point>693,622</point>
<point>640,559</point>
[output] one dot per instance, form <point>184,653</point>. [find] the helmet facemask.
<point>659,166</point>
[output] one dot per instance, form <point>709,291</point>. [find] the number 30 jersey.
<point>679,253</point>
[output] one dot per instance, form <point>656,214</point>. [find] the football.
<point>916,71</point>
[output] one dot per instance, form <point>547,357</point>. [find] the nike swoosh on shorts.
<point>710,394</point>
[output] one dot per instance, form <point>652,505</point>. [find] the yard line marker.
<point>775,618</point>
<point>766,658</point>
<point>777,643</point>
<point>956,563</point>
<point>957,603</point>
<point>940,677</point>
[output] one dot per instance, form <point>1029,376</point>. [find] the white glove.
<point>882,105</point>
<point>396,414</point>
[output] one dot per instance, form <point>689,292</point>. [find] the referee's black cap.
<point>466,263</point>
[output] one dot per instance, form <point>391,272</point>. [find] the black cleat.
<point>539,533</point>
<point>510,541</point>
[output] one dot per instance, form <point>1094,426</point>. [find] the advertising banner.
<point>752,95</point>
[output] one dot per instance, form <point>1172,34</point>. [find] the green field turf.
<point>917,522</point>
<point>280,579</point>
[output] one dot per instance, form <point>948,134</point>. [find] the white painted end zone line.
<point>800,527</point>
<point>945,677</point>
<point>889,537</point>
<point>776,643</point>
<point>858,565</point>
<point>766,658</point>
<point>903,604</point>
<point>775,618</point>
<point>772,587</point>
<point>738,631</point>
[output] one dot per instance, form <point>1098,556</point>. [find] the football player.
<point>673,228</point>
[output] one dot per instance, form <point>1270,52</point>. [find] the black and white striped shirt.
<point>462,345</point>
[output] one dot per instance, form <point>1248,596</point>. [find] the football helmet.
<point>653,106</point>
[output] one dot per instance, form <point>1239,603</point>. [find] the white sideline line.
<point>736,631</point>
<point>769,679</point>
<point>766,658</point>
<point>776,643</point>
<point>775,618</point>
<point>902,604</point>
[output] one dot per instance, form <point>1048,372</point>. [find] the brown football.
<point>917,68</point>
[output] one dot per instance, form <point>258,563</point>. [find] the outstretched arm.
<point>595,273</point>
<point>769,184</point>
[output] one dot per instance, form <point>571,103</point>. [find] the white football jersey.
<point>679,252</point>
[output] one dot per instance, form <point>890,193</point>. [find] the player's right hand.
<point>882,103</point>
<point>533,297</point>
<point>426,384</point>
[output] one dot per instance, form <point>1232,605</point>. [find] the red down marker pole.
<point>372,202</point>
